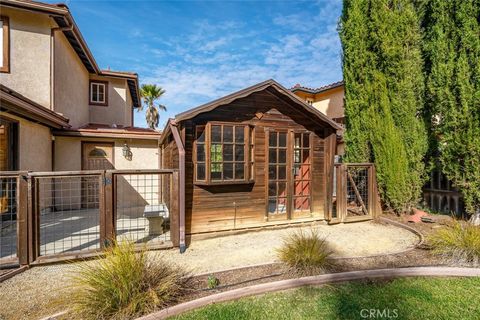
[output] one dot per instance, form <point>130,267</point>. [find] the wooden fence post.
<point>22,218</point>
<point>342,192</point>
<point>175,209</point>
<point>32,220</point>
<point>107,213</point>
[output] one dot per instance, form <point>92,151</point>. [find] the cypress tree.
<point>357,57</point>
<point>384,87</point>
<point>452,51</point>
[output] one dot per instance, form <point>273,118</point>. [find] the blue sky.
<point>200,51</point>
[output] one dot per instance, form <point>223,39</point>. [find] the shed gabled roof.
<point>278,88</point>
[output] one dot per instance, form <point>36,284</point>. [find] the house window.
<point>98,93</point>
<point>4,45</point>
<point>222,153</point>
<point>310,101</point>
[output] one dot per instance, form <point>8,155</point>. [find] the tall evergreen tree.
<point>452,51</point>
<point>384,86</point>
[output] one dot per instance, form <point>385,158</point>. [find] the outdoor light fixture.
<point>127,153</point>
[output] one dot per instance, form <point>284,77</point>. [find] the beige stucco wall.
<point>330,102</point>
<point>29,55</point>
<point>34,145</point>
<point>68,153</point>
<point>115,112</point>
<point>70,83</point>
<point>133,191</point>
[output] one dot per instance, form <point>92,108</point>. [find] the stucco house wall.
<point>330,102</point>
<point>116,110</point>
<point>70,83</point>
<point>68,153</point>
<point>29,69</point>
<point>134,191</point>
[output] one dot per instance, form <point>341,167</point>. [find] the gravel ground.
<point>347,240</point>
<point>43,290</point>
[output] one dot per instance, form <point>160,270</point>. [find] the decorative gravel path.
<point>43,290</point>
<point>259,247</point>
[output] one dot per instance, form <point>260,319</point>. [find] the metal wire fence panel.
<point>142,207</point>
<point>357,191</point>
<point>8,219</point>
<point>68,209</point>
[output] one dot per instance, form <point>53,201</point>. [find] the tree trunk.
<point>475,218</point>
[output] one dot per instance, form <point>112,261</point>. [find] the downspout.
<point>181,196</point>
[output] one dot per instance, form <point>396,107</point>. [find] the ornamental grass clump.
<point>457,243</point>
<point>126,284</point>
<point>306,253</point>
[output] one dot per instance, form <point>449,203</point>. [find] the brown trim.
<point>107,134</point>
<point>15,103</point>
<point>93,103</point>
<point>6,45</point>
<point>181,185</point>
<point>277,89</point>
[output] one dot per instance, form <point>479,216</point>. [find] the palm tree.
<point>150,93</point>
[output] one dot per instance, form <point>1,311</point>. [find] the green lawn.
<point>406,298</point>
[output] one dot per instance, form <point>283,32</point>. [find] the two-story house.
<point>59,110</point>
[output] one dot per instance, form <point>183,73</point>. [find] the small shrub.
<point>126,284</point>
<point>459,243</point>
<point>213,281</point>
<point>306,253</point>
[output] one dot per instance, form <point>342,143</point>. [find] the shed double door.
<point>289,174</point>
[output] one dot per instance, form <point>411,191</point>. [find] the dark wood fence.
<point>52,216</point>
<point>355,195</point>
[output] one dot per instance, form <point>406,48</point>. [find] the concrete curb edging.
<point>311,281</point>
<point>406,227</point>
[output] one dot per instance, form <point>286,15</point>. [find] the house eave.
<point>16,104</point>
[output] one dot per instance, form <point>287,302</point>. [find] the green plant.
<point>125,284</point>
<point>452,65</point>
<point>458,242</point>
<point>150,93</point>
<point>384,95</point>
<point>305,252</point>
<point>212,281</point>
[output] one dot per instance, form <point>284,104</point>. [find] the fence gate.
<point>355,195</point>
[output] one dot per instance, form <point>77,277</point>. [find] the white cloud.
<point>218,57</point>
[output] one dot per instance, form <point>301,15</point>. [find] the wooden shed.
<point>257,157</point>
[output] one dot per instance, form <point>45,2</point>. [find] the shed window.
<point>222,153</point>
<point>98,93</point>
<point>4,44</point>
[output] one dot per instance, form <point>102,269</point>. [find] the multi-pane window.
<point>98,93</point>
<point>222,153</point>
<point>277,172</point>
<point>201,154</point>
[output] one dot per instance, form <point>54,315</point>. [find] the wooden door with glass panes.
<point>278,175</point>
<point>288,174</point>
<point>302,177</point>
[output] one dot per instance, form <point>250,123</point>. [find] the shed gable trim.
<point>256,88</point>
